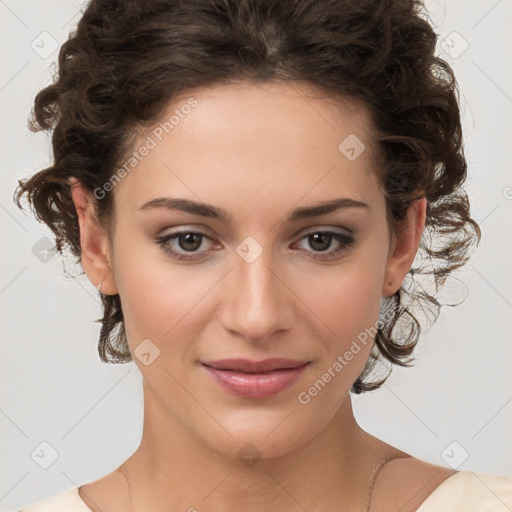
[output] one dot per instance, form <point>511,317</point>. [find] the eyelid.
<point>320,229</point>
<point>188,228</point>
<point>347,241</point>
<point>203,230</point>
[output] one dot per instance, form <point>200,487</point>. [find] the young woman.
<point>247,184</point>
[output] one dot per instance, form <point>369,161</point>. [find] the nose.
<point>257,301</point>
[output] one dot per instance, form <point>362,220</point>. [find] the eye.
<point>320,241</point>
<point>188,243</point>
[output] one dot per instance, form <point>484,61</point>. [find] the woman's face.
<point>257,283</point>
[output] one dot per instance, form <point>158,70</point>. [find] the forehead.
<point>278,140</point>
<point>263,110</point>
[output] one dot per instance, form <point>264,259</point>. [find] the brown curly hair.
<point>128,58</point>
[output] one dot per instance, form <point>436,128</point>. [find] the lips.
<point>255,379</point>
<point>248,366</point>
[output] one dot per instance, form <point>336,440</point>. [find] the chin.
<point>261,435</point>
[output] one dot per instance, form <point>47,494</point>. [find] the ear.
<point>404,247</point>
<point>95,251</point>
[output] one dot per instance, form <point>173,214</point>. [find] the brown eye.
<point>188,243</point>
<point>320,241</point>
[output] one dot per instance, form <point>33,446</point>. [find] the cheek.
<point>158,298</point>
<point>347,299</point>
<point>165,301</point>
<point>348,304</point>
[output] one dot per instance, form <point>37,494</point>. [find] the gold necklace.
<point>373,477</point>
<point>375,471</point>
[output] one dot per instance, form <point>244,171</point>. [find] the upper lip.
<point>248,366</point>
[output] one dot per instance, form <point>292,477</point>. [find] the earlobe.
<point>404,247</point>
<point>94,247</point>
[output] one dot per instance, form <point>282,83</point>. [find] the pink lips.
<point>256,379</point>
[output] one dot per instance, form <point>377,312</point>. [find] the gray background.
<point>453,408</point>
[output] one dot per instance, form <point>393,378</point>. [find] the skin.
<point>257,150</point>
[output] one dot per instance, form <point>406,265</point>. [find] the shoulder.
<point>66,501</point>
<point>405,483</point>
<point>412,485</point>
<point>471,491</point>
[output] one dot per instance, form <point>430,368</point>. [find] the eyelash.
<point>346,240</point>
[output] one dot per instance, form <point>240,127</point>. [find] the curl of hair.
<point>128,58</point>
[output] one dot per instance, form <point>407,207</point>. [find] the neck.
<point>173,469</point>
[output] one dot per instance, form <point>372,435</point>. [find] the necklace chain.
<point>373,477</point>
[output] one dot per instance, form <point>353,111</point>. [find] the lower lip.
<point>256,385</point>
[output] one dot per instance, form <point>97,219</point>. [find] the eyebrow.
<point>208,210</point>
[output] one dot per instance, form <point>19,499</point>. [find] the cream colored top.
<point>464,491</point>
